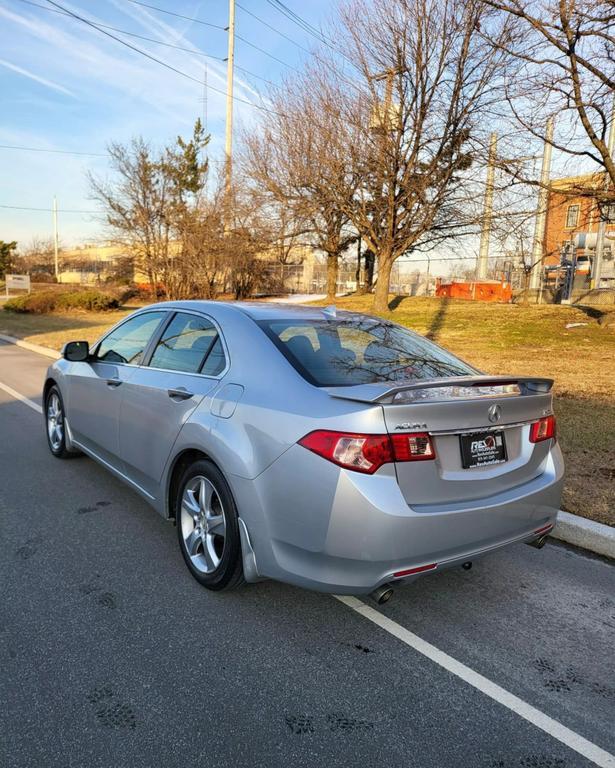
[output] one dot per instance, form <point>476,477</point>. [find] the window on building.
<point>572,216</point>
<point>608,213</point>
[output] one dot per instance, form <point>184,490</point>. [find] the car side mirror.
<point>76,351</point>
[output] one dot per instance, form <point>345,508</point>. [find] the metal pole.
<point>228,148</point>
<point>485,233</point>
<point>541,210</point>
<point>55,239</point>
<point>602,225</point>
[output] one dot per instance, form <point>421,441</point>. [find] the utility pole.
<point>485,232</point>
<point>55,239</point>
<point>541,211</point>
<point>228,149</point>
<point>602,225</point>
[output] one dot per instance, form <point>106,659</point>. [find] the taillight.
<point>413,447</point>
<point>543,429</point>
<point>367,453</point>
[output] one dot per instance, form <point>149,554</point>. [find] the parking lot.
<point>112,655</point>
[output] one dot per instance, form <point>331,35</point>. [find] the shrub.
<point>50,301</point>
<point>16,304</point>
<point>92,301</point>
<point>148,292</point>
<point>37,303</point>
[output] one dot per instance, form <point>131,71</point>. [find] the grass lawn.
<point>496,338</point>
<point>53,330</point>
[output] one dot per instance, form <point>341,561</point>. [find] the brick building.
<point>574,218</point>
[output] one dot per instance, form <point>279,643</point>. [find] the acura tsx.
<point>327,449</point>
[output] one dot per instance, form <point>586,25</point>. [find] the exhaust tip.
<point>382,594</point>
<point>467,566</point>
<point>538,543</point>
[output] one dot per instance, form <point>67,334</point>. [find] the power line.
<point>57,151</point>
<point>178,15</point>
<point>262,50</point>
<point>253,74</point>
<point>274,29</point>
<point>47,210</point>
<point>130,34</point>
<point>154,58</point>
<point>194,51</point>
<point>199,21</point>
<point>302,23</point>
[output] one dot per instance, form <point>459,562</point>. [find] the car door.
<point>184,366</point>
<point>95,386</point>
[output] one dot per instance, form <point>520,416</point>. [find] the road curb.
<point>586,534</point>
<point>47,351</point>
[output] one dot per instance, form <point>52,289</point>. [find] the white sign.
<point>20,282</point>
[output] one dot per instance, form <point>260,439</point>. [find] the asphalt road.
<point>112,655</point>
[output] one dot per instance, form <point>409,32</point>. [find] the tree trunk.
<point>370,261</point>
<point>381,294</point>
<point>332,264</point>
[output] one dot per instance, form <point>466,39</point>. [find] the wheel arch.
<point>178,466</point>
<point>49,382</point>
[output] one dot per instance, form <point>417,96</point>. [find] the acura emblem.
<point>494,413</point>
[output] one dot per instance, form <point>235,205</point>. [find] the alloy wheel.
<point>203,524</point>
<point>55,422</point>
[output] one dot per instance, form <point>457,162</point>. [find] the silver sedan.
<point>327,449</point>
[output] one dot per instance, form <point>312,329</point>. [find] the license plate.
<point>480,449</point>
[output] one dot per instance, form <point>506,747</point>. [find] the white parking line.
<point>547,724</point>
<point>18,396</point>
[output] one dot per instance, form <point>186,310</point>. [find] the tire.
<point>55,417</point>
<point>208,527</point>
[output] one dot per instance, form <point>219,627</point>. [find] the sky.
<point>70,88</point>
<point>66,86</point>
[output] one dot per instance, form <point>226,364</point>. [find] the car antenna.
<point>331,310</point>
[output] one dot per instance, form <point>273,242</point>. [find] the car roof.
<point>270,310</point>
<point>260,310</point>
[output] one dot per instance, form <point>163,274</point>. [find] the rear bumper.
<point>317,526</point>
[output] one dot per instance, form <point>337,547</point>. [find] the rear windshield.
<point>342,352</point>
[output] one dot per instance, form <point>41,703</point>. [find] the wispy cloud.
<point>155,25</point>
<point>89,57</point>
<point>37,78</point>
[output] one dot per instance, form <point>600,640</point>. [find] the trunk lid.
<point>467,408</point>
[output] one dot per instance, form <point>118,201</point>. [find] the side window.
<point>188,342</point>
<point>127,343</point>
<point>215,362</point>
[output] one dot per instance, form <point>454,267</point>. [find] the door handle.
<point>180,393</point>
<point>114,382</point>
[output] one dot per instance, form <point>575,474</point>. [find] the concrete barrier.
<point>586,534</point>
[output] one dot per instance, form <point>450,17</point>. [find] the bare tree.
<point>294,163</point>
<point>409,119</point>
<point>136,202</point>
<point>565,50</point>
<point>38,257</point>
<point>150,203</point>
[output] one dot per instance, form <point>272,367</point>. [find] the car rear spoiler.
<point>384,393</point>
